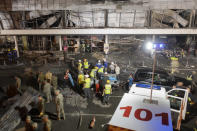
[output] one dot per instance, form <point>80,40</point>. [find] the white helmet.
<point>105,73</point>
<point>79,60</point>
<point>112,63</point>
<point>99,61</point>
<point>86,76</point>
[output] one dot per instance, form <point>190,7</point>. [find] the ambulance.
<point>137,112</point>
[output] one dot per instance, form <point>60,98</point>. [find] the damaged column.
<point>106,45</point>
<point>60,43</point>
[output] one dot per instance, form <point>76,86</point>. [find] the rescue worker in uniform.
<point>9,55</point>
<point>112,68</point>
<point>97,86</point>
<point>117,71</point>
<point>54,82</point>
<point>191,78</point>
<point>59,101</point>
<point>80,79</point>
<point>86,86</point>
<point>100,71</point>
<point>99,65</point>
<point>106,92</point>
<point>47,91</point>
<point>41,78</point>
<point>85,65</point>
<point>80,66</point>
<point>14,54</point>
<point>48,76</point>
<point>174,65</point>
<point>47,123</point>
<point>28,124</point>
<point>93,73</point>
<point>41,106</point>
<point>190,102</point>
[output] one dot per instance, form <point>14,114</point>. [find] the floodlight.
<point>149,45</point>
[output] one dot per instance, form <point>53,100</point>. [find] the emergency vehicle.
<point>136,112</point>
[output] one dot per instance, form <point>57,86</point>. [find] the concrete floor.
<point>94,107</point>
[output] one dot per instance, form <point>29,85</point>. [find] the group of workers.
<point>33,126</point>
<point>12,55</point>
<point>88,78</point>
<point>48,84</point>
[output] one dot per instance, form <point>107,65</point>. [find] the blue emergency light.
<point>148,86</point>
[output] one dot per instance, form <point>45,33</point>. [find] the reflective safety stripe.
<point>80,79</point>
<point>87,83</point>
<point>189,78</point>
<point>86,66</point>
<point>107,89</point>
<point>101,70</point>
<point>92,73</point>
<point>79,66</point>
<point>189,99</point>
<point>174,58</point>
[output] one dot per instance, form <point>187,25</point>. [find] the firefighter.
<point>9,55</point>
<point>93,73</point>
<point>80,66</point>
<point>99,65</point>
<point>106,92</point>
<point>86,86</point>
<point>86,65</point>
<point>14,54</point>
<point>190,103</point>
<point>80,79</point>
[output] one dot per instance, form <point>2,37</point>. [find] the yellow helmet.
<point>108,81</point>
<point>8,49</point>
<point>96,67</point>
<point>14,49</point>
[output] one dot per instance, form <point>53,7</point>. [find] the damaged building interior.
<point>100,65</point>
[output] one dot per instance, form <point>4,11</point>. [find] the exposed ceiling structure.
<point>28,14</point>
<point>18,5</point>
